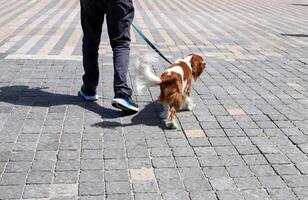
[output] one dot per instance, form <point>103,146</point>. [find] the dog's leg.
<point>165,113</point>
<point>188,104</point>
<point>171,121</point>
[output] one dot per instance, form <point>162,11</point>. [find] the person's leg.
<point>92,17</point>
<point>120,14</point>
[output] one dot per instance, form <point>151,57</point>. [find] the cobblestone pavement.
<point>247,139</point>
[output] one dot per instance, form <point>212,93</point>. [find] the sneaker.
<point>88,94</point>
<point>125,103</point>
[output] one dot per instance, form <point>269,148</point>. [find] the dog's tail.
<point>145,78</point>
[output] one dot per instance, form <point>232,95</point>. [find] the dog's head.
<point>197,65</point>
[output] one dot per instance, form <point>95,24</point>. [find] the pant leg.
<point>120,14</point>
<point>92,17</point>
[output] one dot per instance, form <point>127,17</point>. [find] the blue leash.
<point>151,44</point>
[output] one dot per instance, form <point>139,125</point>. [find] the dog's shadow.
<point>41,97</point>
<point>147,116</point>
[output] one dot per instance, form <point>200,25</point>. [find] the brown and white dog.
<point>175,84</point>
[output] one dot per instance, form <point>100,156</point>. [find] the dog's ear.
<point>198,65</point>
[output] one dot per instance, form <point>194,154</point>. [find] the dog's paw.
<point>188,107</point>
<point>171,125</point>
<point>191,107</point>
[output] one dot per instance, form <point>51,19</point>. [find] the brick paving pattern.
<point>247,138</point>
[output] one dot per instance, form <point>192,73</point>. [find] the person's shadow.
<point>26,96</point>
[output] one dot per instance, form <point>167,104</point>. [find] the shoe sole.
<point>88,98</point>
<point>122,104</point>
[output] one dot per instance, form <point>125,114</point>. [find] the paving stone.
<point>193,184</point>
<point>135,163</point>
<point>175,195</point>
<point>68,155</point>
<point>199,195</point>
<point>215,172</point>
<point>186,161</point>
<point>195,133</point>
<point>67,165</point>
<point>285,169</point>
<point>296,180</point>
<point>161,152</point>
<point>18,166</point>
<point>262,170</point>
<point>63,191</point>
<point>109,153</point>
<point>302,167</point>
<point>236,111</point>
<point>216,132</point>
<point>234,132</point>
<point>4,156</point>
<point>255,159</point>
<point>119,197</point>
<point>232,194</point>
<point>13,179</point>
<point>255,194</point>
<point>163,162</point>
<point>11,192</point>
<point>239,171</point>
<point>280,194</point>
<point>120,187</point>
<point>170,185</point>
<point>205,151</point>
<point>142,174</point>
<point>226,150</point>
<point>247,149</point>
<point>167,173</point>
<point>65,177</point>
<point>147,196</point>
<point>272,182</point>
<point>303,148</point>
<point>145,186</point>
<point>93,145</point>
<point>198,142</point>
<point>244,183</point>
<point>254,132</point>
<point>178,142</point>
<point>219,141</point>
<point>302,193</point>
<point>39,177</point>
<point>43,165</point>
<point>182,151</point>
<point>232,160</point>
<point>36,191</point>
<point>115,175</point>
<point>222,183</point>
<point>91,188</point>
<point>92,164</point>
<point>22,156</point>
<point>46,155</point>
<point>208,161</point>
<point>277,158</point>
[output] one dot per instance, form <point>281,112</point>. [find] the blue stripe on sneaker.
<point>87,97</point>
<point>125,104</point>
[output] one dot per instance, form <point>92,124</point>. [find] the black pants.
<point>119,16</point>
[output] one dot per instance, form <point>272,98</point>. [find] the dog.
<point>175,83</point>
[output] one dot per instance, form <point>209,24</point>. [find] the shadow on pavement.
<point>146,116</point>
<point>26,96</point>
<point>294,35</point>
